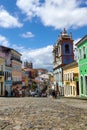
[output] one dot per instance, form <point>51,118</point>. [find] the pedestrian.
<point>6,93</point>
<point>58,94</point>
<point>53,93</point>
<point>20,93</point>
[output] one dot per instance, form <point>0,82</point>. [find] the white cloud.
<point>30,5</point>
<point>76,55</point>
<point>40,57</point>
<point>56,13</point>
<point>4,41</point>
<point>78,39</point>
<point>7,20</point>
<point>27,35</point>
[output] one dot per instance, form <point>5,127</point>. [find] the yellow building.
<point>70,80</point>
<point>2,68</point>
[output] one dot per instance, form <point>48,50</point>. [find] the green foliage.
<point>34,86</point>
<point>76,78</point>
<point>67,83</point>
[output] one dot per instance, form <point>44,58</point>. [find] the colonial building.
<point>2,70</point>
<point>16,69</point>
<point>82,63</point>
<point>8,69</point>
<point>41,71</point>
<point>70,80</point>
<point>63,54</point>
<point>8,79</point>
<point>28,65</point>
<point>13,75</point>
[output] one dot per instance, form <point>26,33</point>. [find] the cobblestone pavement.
<point>43,114</point>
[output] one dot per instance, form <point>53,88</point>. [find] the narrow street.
<point>43,114</point>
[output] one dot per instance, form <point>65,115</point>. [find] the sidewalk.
<point>80,98</point>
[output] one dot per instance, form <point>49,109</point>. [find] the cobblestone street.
<point>43,114</point>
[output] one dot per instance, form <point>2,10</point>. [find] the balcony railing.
<point>16,82</point>
<point>14,58</point>
<point>2,73</point>
<point>8,65</point>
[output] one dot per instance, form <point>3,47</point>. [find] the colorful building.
<point>63,54</point>
<point>2,70</point>
<point>16,70</point>
<point>82,63</point>
<point>13,75</point>
<point>71,80</point>
<point>8,79</point>
<point>8,69</point>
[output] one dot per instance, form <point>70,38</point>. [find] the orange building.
<point>16,69</point>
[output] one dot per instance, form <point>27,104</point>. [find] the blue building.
<point>63,55</point>
<point>8,79</point>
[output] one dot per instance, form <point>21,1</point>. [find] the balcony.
<point>17,82</point>
<point>8,65</point>
<point>1,73</point>
<point>14,58</point>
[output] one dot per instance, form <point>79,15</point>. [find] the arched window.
<point>67,50</point>
<point>81,84</point>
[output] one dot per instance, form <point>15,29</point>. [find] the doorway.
<point>77,87</point>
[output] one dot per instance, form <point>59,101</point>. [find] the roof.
<point>82,40</point>
<point>10,49</point>
<point>70,65</point>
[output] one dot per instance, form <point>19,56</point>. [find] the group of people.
<point>14,93</point>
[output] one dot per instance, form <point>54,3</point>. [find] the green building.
<point>82,64</point>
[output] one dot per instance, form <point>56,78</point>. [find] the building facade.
<point>8,79</point>
<point>82,63</point>
<point>2,70</point>
<point>63,54</point>
<point>13,75</point>
<point>16,70</point>
<point>70,80</point>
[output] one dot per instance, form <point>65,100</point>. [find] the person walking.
<point>6,93</point>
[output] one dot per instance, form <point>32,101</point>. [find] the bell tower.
<point>63,55</point>
<point>66,44</point>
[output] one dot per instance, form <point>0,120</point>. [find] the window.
<point>67,50</point>
<point>86,84</point>
<point>64,77</point>
<point>56,51</point>
<point>71,77</point>
<point>71,90</point>
<point>80,54</point>
<point>68,77</point>
<point>59,50</point>
<point>1,67</point>
<point>84,52</point>
<point>81,84</point>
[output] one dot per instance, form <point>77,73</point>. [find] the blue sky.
<point>32,26</point>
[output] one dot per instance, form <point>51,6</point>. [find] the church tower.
<point>63,55</point>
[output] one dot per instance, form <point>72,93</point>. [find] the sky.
<point>32,26</point>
